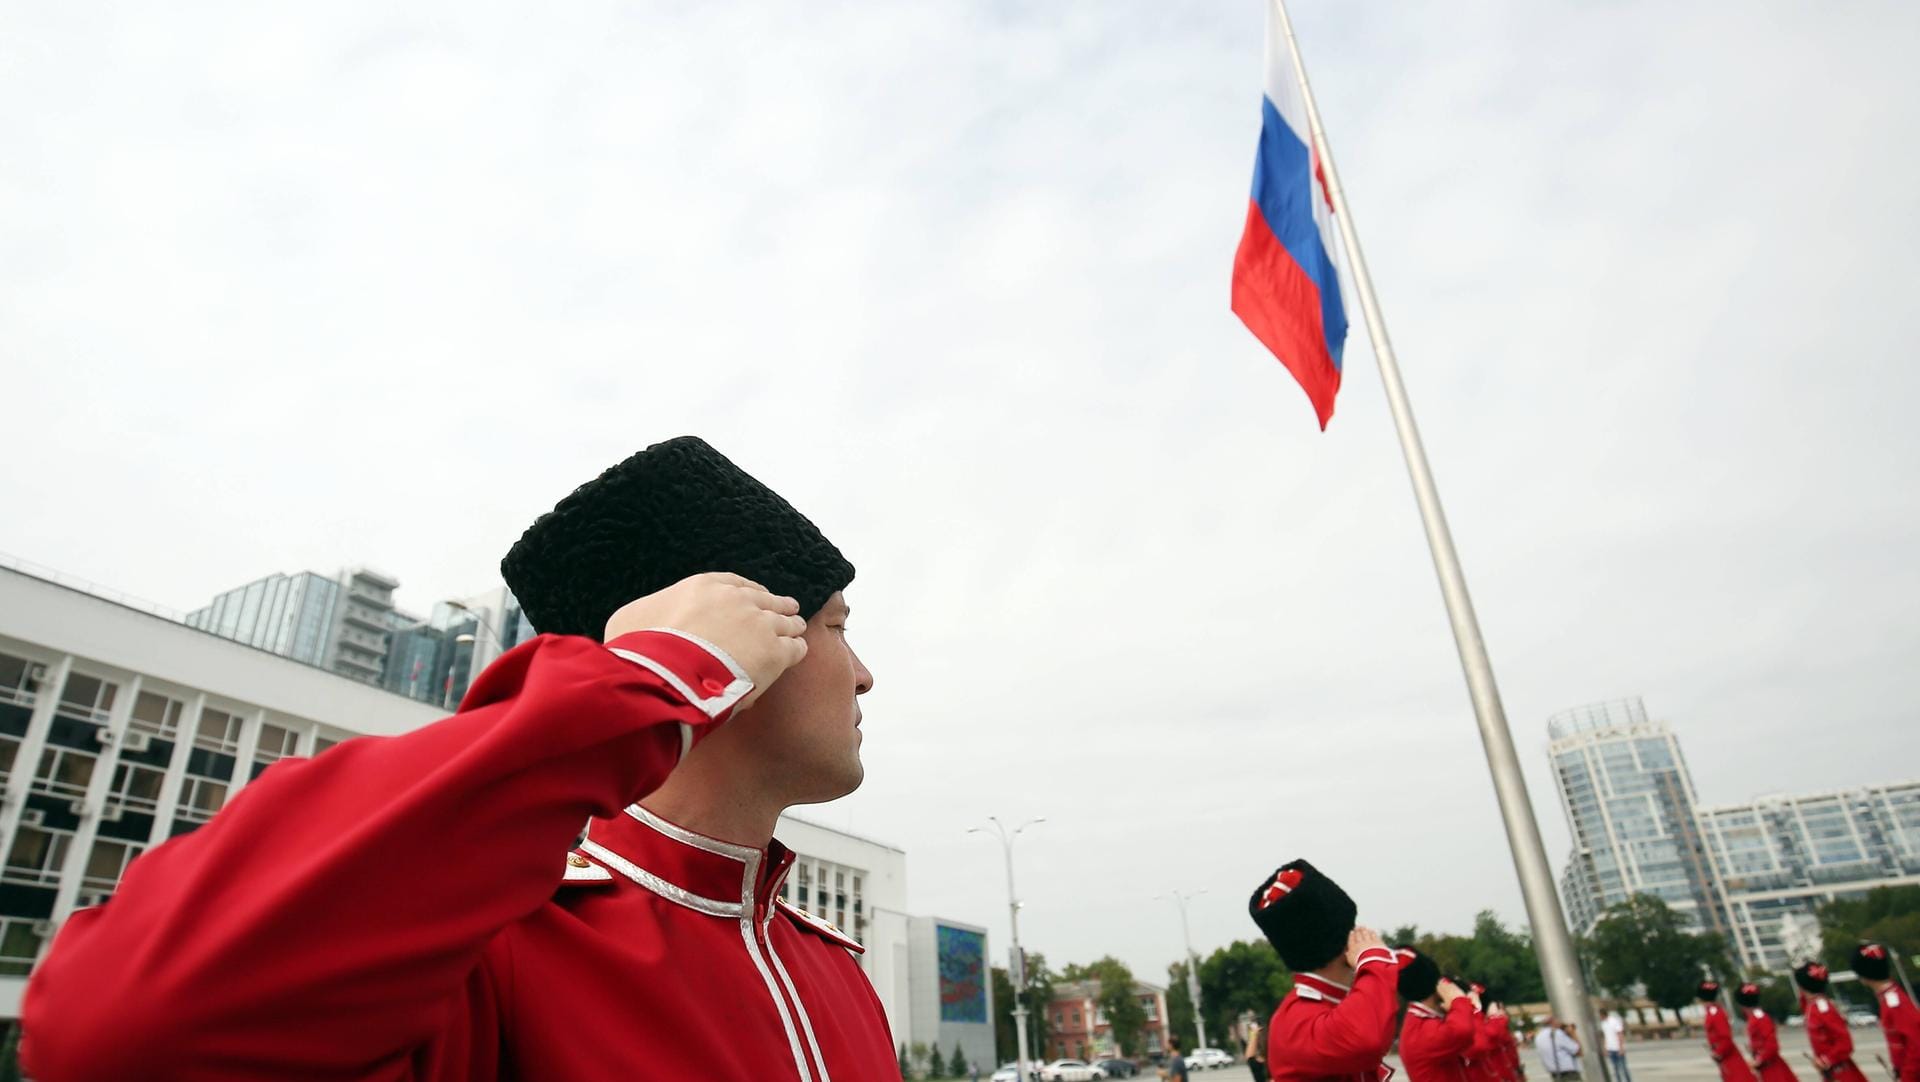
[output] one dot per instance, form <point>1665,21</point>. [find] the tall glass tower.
<point>1629,803</point>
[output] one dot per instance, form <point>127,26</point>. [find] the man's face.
<point>805,729</point>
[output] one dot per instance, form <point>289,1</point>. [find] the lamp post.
<point>463,639</point>
<point>1018,970</point>
<point>1193,963</point>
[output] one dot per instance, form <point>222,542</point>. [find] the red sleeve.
<point>330,923</point>
<point>1486,1039</point>
<point>1355,1035</point>
<point>1827,1033</point>
<point>1461,1030</point>
<point>1762,1037</point>
<point>1903,1040</point>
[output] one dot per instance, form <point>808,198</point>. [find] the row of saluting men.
<point>1338,1022</point>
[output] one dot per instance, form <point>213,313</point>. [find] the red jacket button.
<point>712,686</point>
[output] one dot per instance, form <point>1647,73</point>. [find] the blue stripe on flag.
<point>1284,191</point>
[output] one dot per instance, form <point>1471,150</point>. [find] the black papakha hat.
<point>1305,915</point>
<point>1707,992</point>
<point>1812,976</point>
<point>1419,975</point>
<point>676,509</point>
<point>1872,961</point>
<point>1747,995</point>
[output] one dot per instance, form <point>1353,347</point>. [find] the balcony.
<point>361,616</point>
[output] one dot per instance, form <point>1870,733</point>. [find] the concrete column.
<point>31,748</point>
<point>81,848</point>
<point>176,777</point>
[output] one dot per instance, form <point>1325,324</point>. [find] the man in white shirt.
<point>1615,1029</point>
<point>1559,1052</point>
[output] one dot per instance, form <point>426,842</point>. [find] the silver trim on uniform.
<point>806,1024</point>
<point>654,883</point>
<point>747,881</point>
<point>742,853</point>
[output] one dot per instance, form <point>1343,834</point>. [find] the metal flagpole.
<point>1558,962</point>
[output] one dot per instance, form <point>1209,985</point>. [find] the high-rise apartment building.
<point>1629,802</point>
<point>1756,872</point>
<point>339,623</point>
<point>1782,857</point>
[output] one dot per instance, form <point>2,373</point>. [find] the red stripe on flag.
<point>1281,306</point>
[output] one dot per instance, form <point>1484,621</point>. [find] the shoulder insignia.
<point>581,871</point>
<point>1823,1005</point>
<point>1893,997</point>
<point>821,927</point>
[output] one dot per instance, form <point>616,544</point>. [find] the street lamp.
<point>1018,970</point>
<point>1193,963</point>
<point>465,639</point>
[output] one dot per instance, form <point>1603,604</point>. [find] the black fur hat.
<point>675,509</point>
<point>1305,915</point>
<point>1873,961</point>
<point>1811,976</point>
<point>1747,995</point>
<point>1419,975</point>
<point>1707,992</point>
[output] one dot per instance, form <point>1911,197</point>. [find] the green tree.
<point>957,1063</point>
<point>1643,943</point>
<point>1126,1018</point>
<point>917,1055</point>
<point>10,1055</point>
<point>906,1062</point>
<point>1243,977</point>
<point>1501,959</point>
<point>1179,1006</point>
<point>1889,915</point>
<point>1003,1030</point>
<point>1037,996</point>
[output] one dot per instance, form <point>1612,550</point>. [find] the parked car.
<point>1118,1068</point>
<point>1008,1072</point>
<point>1206,1059</point>
<point>1796,1020</point>
<point>1067,1070</point>
<point>1862,1018</point>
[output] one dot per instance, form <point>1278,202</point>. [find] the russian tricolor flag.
<point>1286,283</point>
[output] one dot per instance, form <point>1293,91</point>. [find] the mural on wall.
<point>963,974</point>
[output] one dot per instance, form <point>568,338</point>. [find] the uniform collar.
<point>1309,986</point>
<point>721,879</point>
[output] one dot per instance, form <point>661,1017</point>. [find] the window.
<point>156,714</point>
<point>107,863</point>
<point>276,743</point>
<point>19,679</point>
<point>136,787</point>
<point>64,772</point>
<point>200,798</point>
<point>20,941</point>
<point>37,857</point>
<point>219,731</point>
<point>322,743</point>
<point>86,697</point>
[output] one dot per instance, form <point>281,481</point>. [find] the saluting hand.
<point>1449,992</point>
<point>1359,940</point>
<point>760,630</point>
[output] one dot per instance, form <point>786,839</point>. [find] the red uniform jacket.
<point>405,908</point>
<point>1323,1030</point>
<point>1488,1059</point>
<point>1900,1021</point>
<point>1434,1047</point>
<point>1764,1039</point>
<point>1725,1052</point>
<point>1832,1041</point>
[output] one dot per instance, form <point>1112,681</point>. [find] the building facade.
<point>340,623</point>
<point>950,989</point>
<point>1754,872</point>
<point>1078,1029</point>
<point>1782,857</point>
<point>120,729</point>
<point>1629,802</point>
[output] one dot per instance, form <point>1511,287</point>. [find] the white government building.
<point>121,727</point>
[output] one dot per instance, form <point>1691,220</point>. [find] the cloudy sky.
<point>297,288</point>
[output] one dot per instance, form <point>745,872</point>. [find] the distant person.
<point>1827,1029</point>
<point>1493,1057</point>
<point>1442,1024</point>
<point>1558,1050</point>
<point>1176,1067</point>
<point>1614,1034</point>
<point>1256,1052</point>
<point>1338,1021</point>
<point>1720,1035</point>
<point>1899,1019</point>
<point>1763,1039</point>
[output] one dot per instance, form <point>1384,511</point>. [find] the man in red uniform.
<point>1720,1036</point>
<point>1827,1027</point>
<point>407,908</point>
<point>1491,1057</point>
<point>1337,1023</point>
<point>1442,1024</point>
<point>1899,1019</point>
<point>1763,1039</point>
